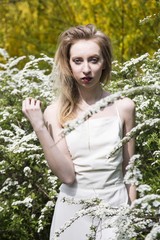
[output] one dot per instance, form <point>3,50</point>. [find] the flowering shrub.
<point>29,189</point>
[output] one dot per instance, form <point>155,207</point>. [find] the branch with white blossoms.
<point>100,105</point>
<point>48,207</point>
<point>133,174</point>
<point>18,141</point>
<point>27,202</point>
<point>4,53</point>
<point>127,221</point>
<point>154,233</point>
<point>139,218</point>
<point>143,189</point>
<point>90,207</point>
<point>134,131</point>
<point>77,215</point>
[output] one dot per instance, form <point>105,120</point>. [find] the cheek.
<point>75,70</point>
<point>74,73</point>
<point>99,70</point>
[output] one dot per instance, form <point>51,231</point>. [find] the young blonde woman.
<point>83,60</point>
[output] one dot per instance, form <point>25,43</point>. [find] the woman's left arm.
<point>128,111</point>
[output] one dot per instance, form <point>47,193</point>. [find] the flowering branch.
<point>127,221</point>
<point>100,105</point>
<point>91,207</point>
<point>78,215</point>
<point>150,122</point>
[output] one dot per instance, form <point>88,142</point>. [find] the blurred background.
<point>32,26</point>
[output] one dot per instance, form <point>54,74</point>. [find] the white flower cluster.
<point>154,233</point>
<point>142,189</point>
<point>27,202</point>
<point>147,19</point>
<point>48,207</point>
<point>4,53</point>
<point>20,79</point>
<point>133,174</point>
<point>125,220</point>
<point>53,180</point>
<point>4,114</point>
<point>132,62</point>
<point>8,184</point>
<point>3,164</point>
<point>20,142</point>
<point>27,171</point>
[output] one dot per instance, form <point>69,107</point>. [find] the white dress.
<point>96,176</point>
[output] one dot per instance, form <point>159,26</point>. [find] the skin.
<point>87,64</point>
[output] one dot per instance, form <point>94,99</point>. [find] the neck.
<point>91,96</point>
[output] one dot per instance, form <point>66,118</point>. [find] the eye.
<point>77,61</point>
<point>94,60</point>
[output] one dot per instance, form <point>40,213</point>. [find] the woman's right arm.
<point>61,166</point>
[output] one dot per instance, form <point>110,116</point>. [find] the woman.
<point>83,60</point>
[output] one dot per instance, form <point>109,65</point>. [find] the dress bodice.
<point>89,144</point>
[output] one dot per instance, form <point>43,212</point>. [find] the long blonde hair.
<point>69,94</point>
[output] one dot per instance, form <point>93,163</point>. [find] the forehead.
<point>85,47</point>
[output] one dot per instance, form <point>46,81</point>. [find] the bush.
<point>28,188</point>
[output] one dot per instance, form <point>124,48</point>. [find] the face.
<point>86,63</point>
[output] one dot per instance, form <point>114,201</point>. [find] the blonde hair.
<point>69,94</point>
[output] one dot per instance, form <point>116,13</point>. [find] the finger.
<point>26,104</point>
<point>38,103</point>
<point>23,106</point>
<point>33,102</point>
<point>30,104</point>
<point>28,99</point>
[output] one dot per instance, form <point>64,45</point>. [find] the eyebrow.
<point>94,55</point>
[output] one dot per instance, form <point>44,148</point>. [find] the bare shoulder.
<point>126,104</point>
<point>126,108</point>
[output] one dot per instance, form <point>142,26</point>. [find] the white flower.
<point>27,171</point>
<point>143,188</point>
<point>26,202</point>
<point>154,233</point>
<point>156,203</point>
<point>1,209</point>
<point>4,53</point>
<point>7,184</point>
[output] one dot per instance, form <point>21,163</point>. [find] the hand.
<point>32,110</point>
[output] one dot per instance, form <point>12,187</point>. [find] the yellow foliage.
<point>31,27</point>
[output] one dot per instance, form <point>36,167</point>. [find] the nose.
<point>86,68</point>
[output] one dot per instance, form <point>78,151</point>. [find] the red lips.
<point>86,79</point>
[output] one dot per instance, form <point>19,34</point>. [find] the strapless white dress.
<point>96,176</point>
